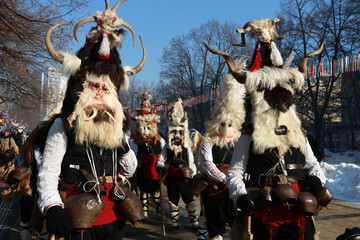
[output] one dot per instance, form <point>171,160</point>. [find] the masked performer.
<point>284,174</point>
<point>150,144</point>
<point>178,158</point>
<point>222,132</point>
<point>85,155</point>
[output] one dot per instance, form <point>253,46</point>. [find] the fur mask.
<point>275,121</point>
<point>98,115</point>
<point>146,132</point>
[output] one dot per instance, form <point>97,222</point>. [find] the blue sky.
<point>158,21</point>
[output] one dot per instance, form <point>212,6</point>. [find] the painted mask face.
<point>147,130</point>
<point>226,131</point>
<point>176,136</point>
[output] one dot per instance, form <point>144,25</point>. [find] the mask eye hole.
<point>223,124</point>
<point>229,125</point>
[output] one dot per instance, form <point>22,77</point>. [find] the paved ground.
<point>331,222</point>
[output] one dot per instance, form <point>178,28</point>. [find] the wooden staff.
<point>247,235</point>
<point>161,205</point>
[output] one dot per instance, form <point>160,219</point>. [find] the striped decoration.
<point>323,69</point>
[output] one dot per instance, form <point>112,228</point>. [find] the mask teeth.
<point>93,115</point>
<point>110,116</point>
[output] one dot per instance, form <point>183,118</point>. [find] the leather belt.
<point>294,166</point>
<point>106,179</point>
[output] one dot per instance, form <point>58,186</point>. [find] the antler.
<point>303,62</point>
<point>240,77</point>
<point>163,115</point>
<point>139,67</point>
<point>103,23</point>
<point>53,53</point>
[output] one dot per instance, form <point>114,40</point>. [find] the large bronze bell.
<point>18,174</point>
<point>307,203</point>
<point>286,194</point>
<point>187,172</point>
<point>255,194</point>
<point>266,195</point>
<point>132,208</point>
<point>84,209</point>
<point>324,196</point>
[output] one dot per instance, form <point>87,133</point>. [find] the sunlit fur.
<point>229,106</point>
<point>263,29</point>
<point>178,123</point>
<point>146,131</point>
<point>265,118</point>
<point>102,132</point>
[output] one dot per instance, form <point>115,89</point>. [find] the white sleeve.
<point>235,176</point>
<point>191,161</point>
<point>128,164</point>
<point>207,163</point>
<point>162,157</point>
<point>49,166</point>
<point>312,165</point>
<point>162,143</point>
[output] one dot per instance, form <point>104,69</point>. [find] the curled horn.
<point>303,62</point>
<point>277,19</point>
<point>82,22</point>
<point>53,53</point>
<point>107,5</point>
<point>163,115</point>
<point>240,77</point>
<point>242,31</point>
<point>125,24</point>
<point>132,118</point>
<point>138,68</point>
<point>117,5</point>
<point>147,91</point>
<point>184,117</point>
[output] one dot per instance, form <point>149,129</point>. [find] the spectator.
<point>8,153</point>
<point>18,140</point>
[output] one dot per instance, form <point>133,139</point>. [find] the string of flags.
<point>323,69</point>
<point>334,67</point>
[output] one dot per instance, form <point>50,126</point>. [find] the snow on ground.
<point>342,171</point>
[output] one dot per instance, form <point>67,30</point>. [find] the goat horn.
<point>132,118</point>
<point>184,117</point>
<point>82,22</point>
<point>243,30</point>
<point>138,94</point>
<point>163,115</point>
<point>172,117</point>
<point>243,43</point>
<point>138,68</point>
<point>240,77</point>
<point>303,62</point>
<point>117,5</point>
<point>125,24</point>
<point>107,5</point>
<point>53,53</point>
<point>147,91</point>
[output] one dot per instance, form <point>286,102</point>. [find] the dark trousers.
<point>147,184</point>
<point>110,231</point>
<point>177,187</point>
<point>218,212</point>
<point>26,207</point>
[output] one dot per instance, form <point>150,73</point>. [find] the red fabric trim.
<point>148,167</point>
<point>175,172</point>
<point>106,57</point>
<point>257,62</point>
<point>280,214</point>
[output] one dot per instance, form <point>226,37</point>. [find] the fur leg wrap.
<point>174,212</point>
<point>157,200</point>
<point>145,203</point>
<point>192,214</point>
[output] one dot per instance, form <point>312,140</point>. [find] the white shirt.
<point>240,158</point>
<point>207,164</point>
<point>49,166</point>
<point>163,157</point>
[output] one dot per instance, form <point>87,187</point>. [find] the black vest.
<point>76,158</point>
<point>180,159</point>
<point>222,155</point>
<point>261,163</point>
<point>153,149</point>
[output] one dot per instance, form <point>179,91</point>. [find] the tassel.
<point>275,55</point>
<point>104,50</point>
